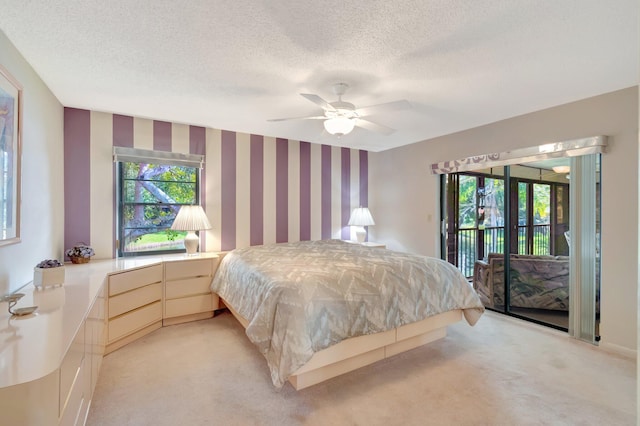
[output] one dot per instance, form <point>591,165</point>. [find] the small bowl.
<point>11,298</point>
<point>24,311</point>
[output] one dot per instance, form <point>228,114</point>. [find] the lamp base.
<point>361,233</point>
<point>191,242</point>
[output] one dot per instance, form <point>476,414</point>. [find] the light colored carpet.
<point>501,372</point>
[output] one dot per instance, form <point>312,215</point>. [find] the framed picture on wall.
<point>10,155</point>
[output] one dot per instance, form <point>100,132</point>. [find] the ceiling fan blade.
<point>318,101</point>
<point>383,108</point>
<point>314,117</point>
<point>374,127</point>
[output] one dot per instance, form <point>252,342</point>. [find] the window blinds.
<point>134,155</point>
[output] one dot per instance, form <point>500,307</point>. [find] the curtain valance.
<point>572,148</point>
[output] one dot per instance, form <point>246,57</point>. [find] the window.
<point>150,194</point>
<point>479,205</point>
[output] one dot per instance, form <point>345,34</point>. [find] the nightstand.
<point>368,244</point>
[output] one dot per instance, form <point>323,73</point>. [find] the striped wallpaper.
<point>255,189</point>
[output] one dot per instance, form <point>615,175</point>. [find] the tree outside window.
<point>150,198</point>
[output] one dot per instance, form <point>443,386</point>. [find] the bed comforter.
<point>300,298</point>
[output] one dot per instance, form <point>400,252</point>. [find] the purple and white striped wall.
<point>255,189</point>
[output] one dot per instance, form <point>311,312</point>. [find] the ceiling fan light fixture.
<point>339,126</point>
<point>340,117</point>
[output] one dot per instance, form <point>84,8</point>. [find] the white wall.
<point>404,196</point>
<point>42,207</point>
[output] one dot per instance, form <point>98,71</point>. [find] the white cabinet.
<point>81,365</point>
<point>142,300</point>
<point>187,293</point>
<point>73,390</point>
<point>134,305</point>
<point>95,339</point>
<point>63,396</point>
<point>49,362</point>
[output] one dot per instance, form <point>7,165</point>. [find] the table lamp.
<point>360,218</point>
<point>191,218</point>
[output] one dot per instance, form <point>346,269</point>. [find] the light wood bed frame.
<point>357,352</point>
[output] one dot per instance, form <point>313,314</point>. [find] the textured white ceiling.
<point>233,64</point>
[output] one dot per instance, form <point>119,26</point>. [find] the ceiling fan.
<point>341,117</point>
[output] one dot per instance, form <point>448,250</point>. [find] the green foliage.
<point>470,221</point>
<point>541,203</point>
<point>161,240</point>
<point>493,199</point>
<point>178,182</point>
<point>172,235</point>
<point>161,237</point>
<point>151,196</point>
<point>467,199</point>
<point>159,172</point>
<point>522,203</point>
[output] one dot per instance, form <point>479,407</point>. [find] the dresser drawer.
<point>188,268</point>
<point>125,302</point>
<point>187,287</point>
<point>191,305</point>
<point>70,368</point>
<point>134,320</point>
<point>130,280</point>
<point>71,412</point>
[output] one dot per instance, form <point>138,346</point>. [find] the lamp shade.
<point>561,169</point>
<point>339,125</point>
<point>361,217</point>
<point>191,218</point>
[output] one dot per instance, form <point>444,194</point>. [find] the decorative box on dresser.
<point>187,293</point>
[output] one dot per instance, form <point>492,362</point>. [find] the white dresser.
<point>50,361</point>
<point>187,296</point>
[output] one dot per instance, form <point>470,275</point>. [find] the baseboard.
<point>132,337</point>
<point>618,350</point>
<point>187,318</point>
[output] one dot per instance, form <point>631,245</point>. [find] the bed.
<point>317,309</point>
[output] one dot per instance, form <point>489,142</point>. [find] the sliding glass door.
<point>474,217</point>
<point>539,266</point>
<point>508,229</point>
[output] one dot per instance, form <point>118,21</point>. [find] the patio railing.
<point>541,240</point>
<point>494,243</point>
